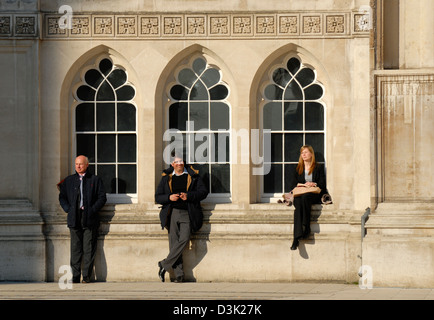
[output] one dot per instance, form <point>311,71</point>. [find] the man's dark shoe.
<point>161,272</point>
<point>86,280</point>
<point>179,279</point>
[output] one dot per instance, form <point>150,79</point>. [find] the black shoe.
<point>161,272</point>
<point>179,279</point>
<point>85,280</point>
<point>294,244</point>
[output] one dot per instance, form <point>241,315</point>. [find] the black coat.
<point>196,192</point>
<point>318,176</point>
<point>94,198</point>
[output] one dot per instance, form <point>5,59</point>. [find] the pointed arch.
<point>99,106</point>
<point>194,95</point>
<point>290,97</point>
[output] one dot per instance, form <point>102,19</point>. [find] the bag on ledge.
<point>298,191</point>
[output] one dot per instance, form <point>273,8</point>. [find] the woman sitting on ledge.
<point>312,174</point>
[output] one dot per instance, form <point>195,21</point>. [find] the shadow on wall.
<point>192,255</point>
<point>315,229</point>
<point>100,268</point>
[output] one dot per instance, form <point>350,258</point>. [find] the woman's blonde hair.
<point>300,166</point>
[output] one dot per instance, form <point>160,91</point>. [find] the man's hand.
<point>174,197</point>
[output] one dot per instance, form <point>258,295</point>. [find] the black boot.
<point>295,244</point>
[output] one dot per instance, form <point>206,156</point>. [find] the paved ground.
<point>205,291</point>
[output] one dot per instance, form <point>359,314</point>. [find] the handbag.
<point>298,191</point>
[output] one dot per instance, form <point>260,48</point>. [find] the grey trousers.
<point>179,236</point>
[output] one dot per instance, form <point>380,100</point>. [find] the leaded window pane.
<point>220,182</point>
<point>117,78</point>
<point>93,78</point>
<point>178,116</point>
<point>179,92</point>
<point>210,77</point>
<point>198,98</point>
<point>293,114</point>
<point>86,146</point>
<point>314,116</point>
<point>126,114</point>
<point>199,115</point>
<point>186,77</point>
<point>219,116</point>
<point>289,170</point>
<point>305,77</point>
<point>293,65</point>
<point>199,92</point>
<point>273,180</point>
<point>219,92</point>
<point>105,116</point>
<point>106,124</point>
<point>106,148</point>
<point>84,117</point>
<point>316,140</point>
<point>105,66</point>
<point>127,148</point>
<point>108,175</point>
<point>199,66</point>
<point>273,92</point>
<point>272,115</point>
<point>86,93</point>
<point>314,92</point>
<point>293,142</point>
<point>294,94</point>
<point>281,77</point>
<point>276,147</point>
<point>105,92</point>
<point>127,181</point>
<point>125,93</point>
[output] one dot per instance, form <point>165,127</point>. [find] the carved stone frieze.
<point>185,25</point>
<point>335,24</point>
<point>103,26</point>
<point>5,26</point>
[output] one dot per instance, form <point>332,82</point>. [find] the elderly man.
<point>180,192</point>
<point>82,196</point>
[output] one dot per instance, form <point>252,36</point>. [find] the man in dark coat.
<point>180,191</point>
<point>82,196</point>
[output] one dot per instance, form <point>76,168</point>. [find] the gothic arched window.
<point>295,115</point>
<point>105,126</point>
<point>198,109</point>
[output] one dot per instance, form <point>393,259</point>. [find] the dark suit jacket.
<point>94,198</point>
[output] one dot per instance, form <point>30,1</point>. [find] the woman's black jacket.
<point>196,192</point>
<point>318,176</point>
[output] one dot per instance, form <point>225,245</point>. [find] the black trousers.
<point>303,206</point>
<point>83,251</point>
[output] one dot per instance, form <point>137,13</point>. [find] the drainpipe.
<point>365,218</point>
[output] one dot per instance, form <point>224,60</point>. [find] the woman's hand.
<point>310,184</point>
